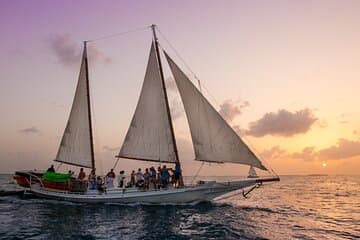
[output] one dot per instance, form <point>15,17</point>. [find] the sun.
<point>324,164</point>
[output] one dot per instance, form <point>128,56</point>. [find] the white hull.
<point>203,192</point>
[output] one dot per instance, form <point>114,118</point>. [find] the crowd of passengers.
<point>151,178</point>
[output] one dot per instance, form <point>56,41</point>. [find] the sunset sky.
<point>284,74</point>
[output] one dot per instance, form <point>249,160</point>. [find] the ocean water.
<point>298,207</point>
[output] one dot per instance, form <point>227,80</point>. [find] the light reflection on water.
<point>326,207</point>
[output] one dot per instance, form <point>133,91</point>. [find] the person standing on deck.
<point>153,177</point>
<point>121,179</point>
<point>110,176</point>
<point>132,178</point>
<point>92,179</point>
<point>82,174</point>
<point>165,177</point>
<point>177,174</point>
<point>139,179</point>
<point>146,179</point>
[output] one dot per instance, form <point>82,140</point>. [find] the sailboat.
<point>151,137</point>
<point>252,173</point>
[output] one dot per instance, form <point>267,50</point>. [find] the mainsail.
<point>76,147</point>
<point>213,139</point>
<point>150,136</point>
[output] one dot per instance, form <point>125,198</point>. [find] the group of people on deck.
<point>149,179</point>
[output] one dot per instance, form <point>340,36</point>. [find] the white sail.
<point>252,173</point>
<point>213,139</point>
<point>76,144</point>
<point>150,134</point>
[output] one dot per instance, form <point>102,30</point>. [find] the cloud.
<point>65,48</point>
<point>307,154</point>
<point>229,109</point>
<point>273,153</point>
<point>342,150</point>
<point>283,123</point>
<point>68,53</point>
<point>30,130</point>
<point>240,131</point>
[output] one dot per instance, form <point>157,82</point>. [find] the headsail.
<point>76,147</point>
<point>149,136</point>
<point>213,139</point>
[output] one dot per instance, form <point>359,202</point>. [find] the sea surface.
<point>297,207</point>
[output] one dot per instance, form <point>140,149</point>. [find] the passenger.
<point>110,176</point>
<point>146,179</point>
<point>92,179</point>
<point>82,174</point>
<point>158,178</point>
<point>177,175</point>
<point>100,185</point>
<point>164,177</point>
<point>139,179</point>
<point>153,177</point>
<point>51,169</point>
<point>121,179</point>
<point>132,179</point>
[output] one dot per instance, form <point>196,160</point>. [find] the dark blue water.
<point>300,207</point>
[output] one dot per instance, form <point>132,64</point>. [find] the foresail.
<point>150,135</point>
<point>213,139</point>
<point>76,144</point>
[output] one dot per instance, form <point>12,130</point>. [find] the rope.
<point>188,68</point>
<point>118,34</point>
<point>197,173</point>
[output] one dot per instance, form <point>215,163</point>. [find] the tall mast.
<point>164,89</point>
<point>89,108</point>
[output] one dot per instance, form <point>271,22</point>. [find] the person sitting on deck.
<point>139,179</point>
<point>164,177</point>
<point>100,185</point>
<point>110,176</point>
<point>146,179</point>
<point>51,169</point>
<point>153,177</point>
<point>92,179</point>
<point>82,174</point>
<point>121,179</point>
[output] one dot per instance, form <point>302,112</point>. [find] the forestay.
<point>213,139</point>
<point>149,136</point>
<point>76,144</point>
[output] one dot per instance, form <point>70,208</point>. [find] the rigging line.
<point>187,66</point>
<point>197,173</point>
<point>198,80</point>
<point>262,159</point>
<point>118,34</point>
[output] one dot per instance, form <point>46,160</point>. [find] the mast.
<point>164,89</point>
<point>89,108</point>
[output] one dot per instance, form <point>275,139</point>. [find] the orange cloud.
<point>342,150</point>
<point>283,123</point>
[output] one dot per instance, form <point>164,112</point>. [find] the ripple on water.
<point>295,208</point>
